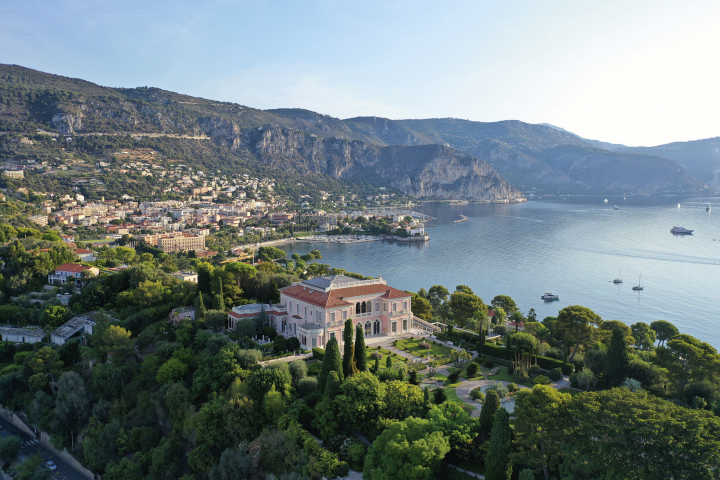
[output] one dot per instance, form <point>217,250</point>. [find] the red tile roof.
<point>72,267</point>
<point>335,298</point>
<point>83,250</point>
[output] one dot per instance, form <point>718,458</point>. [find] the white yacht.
<point>548,297</point>
<point>708,208</point>
<point>680,231</point>
<point>616,207</point>
<point>606,200</point>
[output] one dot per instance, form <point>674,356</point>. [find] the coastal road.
<point>64,471</point>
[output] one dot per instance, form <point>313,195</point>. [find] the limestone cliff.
<point>424,171</point>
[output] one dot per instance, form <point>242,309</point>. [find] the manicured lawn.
<point>385,353</point>
<point>571,391</point>
<point>504,376</point>
<point>412,345</point>
<point>452,396</point>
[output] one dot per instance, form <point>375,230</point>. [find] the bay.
<point>573,247</point>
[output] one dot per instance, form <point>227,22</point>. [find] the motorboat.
<point>616,207</point>
<point>606,200</point>
<point>549,297</point>
<point>639,286</point>
<point>708,208</point>
<point>680,231</point>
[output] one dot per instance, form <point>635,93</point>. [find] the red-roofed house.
<point>68,271</point>
<point>317,309</point>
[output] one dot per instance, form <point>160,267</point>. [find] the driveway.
<point>64,471</point>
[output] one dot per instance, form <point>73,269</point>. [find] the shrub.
<point>313,369</point>
<point>307,386</point>
<point>248,357</point>
<point>512,387</point>
<point>500,389</point>
<point>454,376</point>
<point>473,369</point>
<point>477,395</point>
<point>424,345</point>
<point>555,374</point>
<point>376,355</point>
<point>281,344</point>
<point>541,380</point>
<point>500,330</point>
<point>488,363</point>
<point>356,455</point>
<point>574,380</point>
<point>439,396</point>
<point>550,363</point>
<point>318,353</point>
<point>535,370</point>
<point>555,353</point>
<point>293,343</point>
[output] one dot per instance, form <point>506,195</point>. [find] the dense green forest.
<point>150,399</point>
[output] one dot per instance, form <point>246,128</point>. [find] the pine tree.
<point>497,460</point>
<point>348,347</point>
<point>360,352</point>
<point>618,361</point>
<point>487,413</point>
<point>331,363</point>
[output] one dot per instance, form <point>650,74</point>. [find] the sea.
<point>571,246</point>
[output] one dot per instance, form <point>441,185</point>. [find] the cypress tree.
<point>360,353</point>
<point>497,460</point>
<point>487,413</point>
<point>353,367</point>
<point>348,347</point>
<point>377,364</point>
<point>201,310</point>
<point>618,361</point>
<point>388,362</point>
<point>332,386</point>
<point>219,300</point>
<point>331,363</point>
<point>204,284</point>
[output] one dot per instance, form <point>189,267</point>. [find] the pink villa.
<point>315,310</point>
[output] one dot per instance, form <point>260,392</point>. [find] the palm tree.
<point>444,313</point>
<point>480,321</point>
<point>517,317</point>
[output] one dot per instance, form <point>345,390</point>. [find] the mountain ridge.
<point>301,140</point>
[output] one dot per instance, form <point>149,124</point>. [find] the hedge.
<point>548,363</point>
<point>545,363</point>
<point>318,353</point>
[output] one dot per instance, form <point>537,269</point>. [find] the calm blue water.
<point>573,247</point>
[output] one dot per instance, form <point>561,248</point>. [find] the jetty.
<point>463,218</point>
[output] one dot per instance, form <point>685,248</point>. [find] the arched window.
<point>369,306</point>
<point>357,308</point>
<point>363,307</point>
<point>376,327</point>
<point>367,328</point>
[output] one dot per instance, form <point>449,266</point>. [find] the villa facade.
<point>316,310</point>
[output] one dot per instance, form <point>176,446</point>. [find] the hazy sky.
<point>632,72</point>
